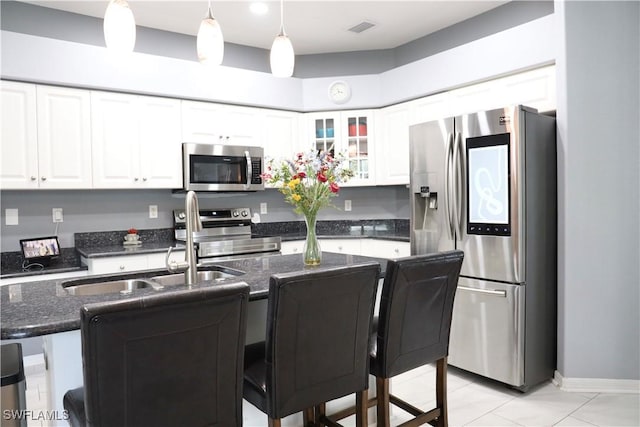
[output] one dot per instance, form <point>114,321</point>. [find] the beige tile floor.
<point>473,401</point>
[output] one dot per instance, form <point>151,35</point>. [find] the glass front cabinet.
<point>349,133</point>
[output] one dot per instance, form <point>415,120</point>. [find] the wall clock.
<point>339,92</point>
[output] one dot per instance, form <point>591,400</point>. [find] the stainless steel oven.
<point>217,167</point>
<point>226,233</point>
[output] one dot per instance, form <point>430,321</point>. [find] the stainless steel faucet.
<point>193,223</point>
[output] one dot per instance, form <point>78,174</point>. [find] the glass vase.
<point>312,254</point>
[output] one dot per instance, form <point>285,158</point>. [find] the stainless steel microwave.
<point>217,167</point>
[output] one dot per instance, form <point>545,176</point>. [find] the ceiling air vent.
<point>363,26</point>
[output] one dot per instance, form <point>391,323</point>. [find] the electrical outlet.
<point>153,211</point>
<point>347,205</point>
<point>56,213</point>
<point>11,217</point>
<point>263,208</point>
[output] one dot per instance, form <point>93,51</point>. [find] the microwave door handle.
<point>248,183</point>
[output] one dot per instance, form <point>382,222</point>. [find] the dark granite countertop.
<point>12,265</point>
<point>109,243</point>
<point>98,251</point>
<point>44,307</point>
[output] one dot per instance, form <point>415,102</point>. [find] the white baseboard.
<point>596,385</point>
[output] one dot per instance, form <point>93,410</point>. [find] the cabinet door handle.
<point>144,179</point>
<point>33,178</point>
<point>136,179</point>
<point>44,178</point>
<point>121,267</point>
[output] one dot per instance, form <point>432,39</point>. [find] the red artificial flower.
<point>132,231</point>
<point>302,175</point>
<point>334,187</point>
<point>321,177</point>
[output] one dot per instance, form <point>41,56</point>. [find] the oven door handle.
<point>248,183</point>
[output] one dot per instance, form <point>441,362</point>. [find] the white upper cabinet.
<point>350,133</point>
<point>136,141</point>
<point>281,134</point>
<point>160,142</point>
<point>64,137</point>
<point>19,141</point>
<point>392,145</point>
<point>535,88</point>
<point>45,137</point>
<point>430,108</point>
<point>211,123</point>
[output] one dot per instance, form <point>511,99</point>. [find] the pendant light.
<point>210,43</point>
<point>282,57</point>
<point>119,27</point>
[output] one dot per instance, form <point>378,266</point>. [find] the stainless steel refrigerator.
<point>485,183</point>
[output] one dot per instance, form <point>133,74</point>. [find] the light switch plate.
<point>347,205</point>
<point>153,211</point>
<point>11,217</point>
<point>263,208</point>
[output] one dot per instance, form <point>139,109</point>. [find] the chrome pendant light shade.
<point>210,42</point>
<point>119,27</point>
<point>282,57</point>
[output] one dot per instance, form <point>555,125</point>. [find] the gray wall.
<point>598,114</point>
<point>105,210</point>
<point>45,22</point>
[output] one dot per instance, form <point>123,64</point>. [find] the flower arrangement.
<point>308,182</point>
<point>132,231</point>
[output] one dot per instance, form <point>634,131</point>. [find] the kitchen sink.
<point>210,274</point>
<point>127,286</point>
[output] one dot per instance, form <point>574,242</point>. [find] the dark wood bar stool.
<point>412,330</point>
<point>172,359</point>
<point>317,344</point>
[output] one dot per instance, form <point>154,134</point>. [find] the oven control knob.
<point>244,213</point>
<point>235,213</point>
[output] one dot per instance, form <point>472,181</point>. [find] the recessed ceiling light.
<point>258,8</point>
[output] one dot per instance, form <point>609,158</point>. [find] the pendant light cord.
<point>282,33</point>
<point>209,13</point>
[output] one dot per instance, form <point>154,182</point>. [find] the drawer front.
<point>121,264</point>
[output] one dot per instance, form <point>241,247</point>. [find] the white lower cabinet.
<point>341,246</point>
<point>376,248</point>
<point>292,247</point>
<point>385,248</point>
<point>129,263</point>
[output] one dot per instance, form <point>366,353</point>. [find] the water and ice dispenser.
<point>425,207</point>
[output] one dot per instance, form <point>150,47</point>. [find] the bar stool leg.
<point>274,423</point>
<point>362,399</point>
<point>441,392</point>
<point>309,417</point>
<point>382,393</point>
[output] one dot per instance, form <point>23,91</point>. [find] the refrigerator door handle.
<point>447,186</point>
<point>458,183</point>
<point>484,291</point>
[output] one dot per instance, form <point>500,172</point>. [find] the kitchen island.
<point>46,308</point>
